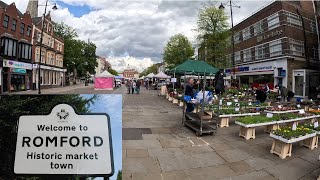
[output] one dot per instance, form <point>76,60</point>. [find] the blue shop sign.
<point>18,70</point>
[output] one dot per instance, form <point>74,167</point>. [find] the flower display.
<point>288,133</point>
<point>315,111</point>
<point>264,119</point>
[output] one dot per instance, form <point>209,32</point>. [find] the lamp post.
<point>231,4</point>
<point>41,40</point>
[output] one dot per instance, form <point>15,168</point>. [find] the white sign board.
<point>64,142</point>
<point>174,80</point>
<point>269,115</point>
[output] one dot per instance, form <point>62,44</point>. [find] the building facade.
<point>278,45</point>
<point>52,73</point>
<point>16,49</point>
<point>130,74</point>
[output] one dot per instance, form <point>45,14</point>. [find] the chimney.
<point>33,8</point>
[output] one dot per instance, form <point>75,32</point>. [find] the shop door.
<point>298,89</point>
<point>5,82</point>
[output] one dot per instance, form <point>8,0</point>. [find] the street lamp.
<point>41,39</point>
<point>231,4</point>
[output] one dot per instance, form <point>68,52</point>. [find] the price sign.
<point>316,124</point>
<point>294,127</point>
<point>229,103</point>
<point>298,106</point>
<point>301,111</point>
<point>236,100</point>
<point>269,115</point>
<point>250,104</point>
<point>279,106</point>
<point>237,109</point>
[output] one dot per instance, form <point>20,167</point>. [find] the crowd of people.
<point>133,86</point>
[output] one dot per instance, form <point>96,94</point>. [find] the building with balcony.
<point>52,71</point>
<point>16,49</point>
<point>278,45</point>
<point>130,74</point>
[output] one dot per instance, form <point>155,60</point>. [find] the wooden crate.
<point>311,143</point>
<point>223,122</point>
<point>247,133</point>
<point>270,128</point>
<point>281,149</point>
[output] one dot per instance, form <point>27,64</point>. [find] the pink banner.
<point>104,83</point>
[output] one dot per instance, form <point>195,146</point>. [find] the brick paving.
<point>169,151</point>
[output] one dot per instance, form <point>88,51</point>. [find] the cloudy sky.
<point>133,32</point>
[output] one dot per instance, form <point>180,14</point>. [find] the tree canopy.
<point>113,72</point>
<point>177,50</point>
<point>213,34</point>
<point>152,69</point>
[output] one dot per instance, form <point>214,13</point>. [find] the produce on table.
<point>281,109</point>
<point>288,133</point>
<point>314,111</point>
<point>264,119</point>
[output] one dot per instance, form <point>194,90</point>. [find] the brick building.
<point>278,45</point>
<point>52,73</point>
<point>130,74</point>
<point>16,49</point>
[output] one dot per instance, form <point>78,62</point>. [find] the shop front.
<point>16,76</point>
<point>257,75</point>
<point>306,83</point>
<point>50,77</point>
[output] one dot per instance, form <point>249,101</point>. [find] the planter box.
<point>175,101</point>
<point>256,125</point>
<point>282,112</point>
<point>272,127</point>
<point>238,115</point>
<point>311,143</point>
<point>281,149</point>
<point>247,133</point>
<point>223,122</point>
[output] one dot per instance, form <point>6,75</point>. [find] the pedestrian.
<point>128,85</point>
<point>261,96</point>
<point>138,85</point>
<point>266,89</point>
<point>290,95</point>
<point>284,93</point>
<point>189,92</point>
<point>133,86</point>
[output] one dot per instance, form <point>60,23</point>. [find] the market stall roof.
<point>119,77</point>
<point>151,75</point>
<point>106,74</point>
<point>162,75</point>
<point>142,77</point>
<point>194,67</point>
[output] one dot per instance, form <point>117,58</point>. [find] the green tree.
<point>79,56</point>
<point>119,177</point>
<point>113,72</point>
<point>12,107</point>
<point>177,50</point>
<point>213,34</point>
<point>152,69</point>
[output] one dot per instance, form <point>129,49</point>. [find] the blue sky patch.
<point>77,11</point>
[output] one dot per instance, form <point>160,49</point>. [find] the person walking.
<point>128,85</point>
<point>133,86</point>
<point>189,92</point>
<point>138,85</point>
<point>284,94</point>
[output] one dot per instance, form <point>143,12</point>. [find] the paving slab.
<point>134,133</point>
<point>197,150</point>
<point>292,169</point>
<point>165,152</point>
<point>175,175</point>
<point>140,165</point>
<point>256,175</point>
<point>141,144</point>
<point>137,153</point>
<point>156,136</point>
<point>206,173</point>
<point>259,162</point>
<point>233,155</point>
<point>146,176</point>
<point>161,130</point>
<point>241,167</point>
<point>172,143</point>
<point>177,163</point>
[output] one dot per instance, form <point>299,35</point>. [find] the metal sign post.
<point>64,143</point>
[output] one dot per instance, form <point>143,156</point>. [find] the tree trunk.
<point>75,75</point>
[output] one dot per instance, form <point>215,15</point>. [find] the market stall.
<point>162,78</point>
<point>105,81</point>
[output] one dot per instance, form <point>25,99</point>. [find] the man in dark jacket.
<point>138,84</point>
<point>219,82</point>
<point>189,92</point>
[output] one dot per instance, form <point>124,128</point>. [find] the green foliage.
<point>12,107</point>
<point>257,119</point>
<point>213,33</point>
<point>177,50</point>
<point>119,176</point>
<point>288,133</point>
<point>152,69</point>
<point>113,72</point>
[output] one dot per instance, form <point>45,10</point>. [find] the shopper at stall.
<point>290,95</point>
<point>138,84</point>
<point>261,96</point>
<point>219,82</point>
<point>284,93</point>
<point>189,92</point>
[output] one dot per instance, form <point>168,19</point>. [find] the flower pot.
<point>175,101</point>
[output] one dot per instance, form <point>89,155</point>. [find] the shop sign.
<point>64,142</point>
<point>272,34</point>
<point>248,68</point>
<point>261,68</point>
<point>16,64</point>
<point>18,70</point>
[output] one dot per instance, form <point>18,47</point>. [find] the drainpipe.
<point>305,38</point>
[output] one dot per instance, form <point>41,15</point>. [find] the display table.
<point>224,118</point>
<point>283,112</point>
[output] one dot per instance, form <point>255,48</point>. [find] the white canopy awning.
<point>105,74</point>
<point>162,75</point>
<point>151,75</point>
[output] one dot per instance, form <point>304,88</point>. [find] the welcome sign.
<point>64,142</point>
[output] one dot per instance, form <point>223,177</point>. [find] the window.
<point>25,51</point>
<point>14,25</point>
<point>237,57</point>
<point>313,27</point>
<point>22,28</point>
<point>273,21</point>
<point>296,47</point>
<point>29,31</point>
<point>37,55</point>
<point>293,19</point>
<point>6,21</point>
<point>315,53</point>
<point>247,55</point>
<point>52,59</point>
<point>257,28</point>
<point>259,52</point>
<point>9,47</point>
<point>275,48</point>
<point>246,33</point>
<point>236,37</point>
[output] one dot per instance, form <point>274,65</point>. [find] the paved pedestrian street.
<point>157,147</point>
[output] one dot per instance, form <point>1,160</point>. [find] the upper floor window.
<point>22,28</point>
<point>237,37</point>
<point>247,55</point>
<point>275,48</point>
<point>237,56</point>
<point>8,47</point>
<point>6,21</point>
<point>273,21</point>
<point>29,31</point>
<point>14,25</point>
<point>257,28</point>
<point>25,51</point>
<point>259,52</point>
<point>293,19</point>
<point>296,47</point>
<point>313,27</point>
<point>246,33</point>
